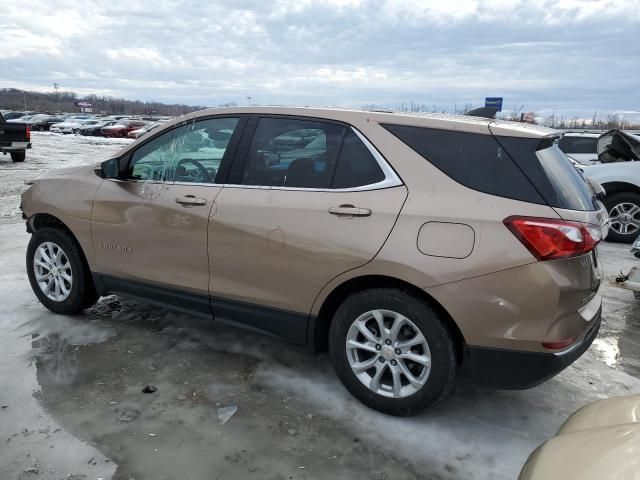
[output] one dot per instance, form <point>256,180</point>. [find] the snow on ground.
<point>73,389</point>
<point>50,150</point>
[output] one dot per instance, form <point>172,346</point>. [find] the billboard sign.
<point>493,102</point>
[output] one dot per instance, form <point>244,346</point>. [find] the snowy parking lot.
<point>73,404</point>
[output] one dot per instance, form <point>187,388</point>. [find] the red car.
<point>122,128</point>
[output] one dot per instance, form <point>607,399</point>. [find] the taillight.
<point>28,134</point>
<point>551,239</point>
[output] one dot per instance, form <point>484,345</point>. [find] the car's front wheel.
<point>392,351</point>
<point>58,272</point>
<point>624,216</point>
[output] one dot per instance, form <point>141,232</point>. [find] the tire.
<point>82,293</point>
<point>394,305</point>
<point>39,128</point>
<point>75,131</point>
<point>18,156</point>
<point>625,208</point>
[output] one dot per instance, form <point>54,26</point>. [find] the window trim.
<point>391,177</point>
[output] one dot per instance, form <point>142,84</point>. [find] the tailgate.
<point>12,132</point>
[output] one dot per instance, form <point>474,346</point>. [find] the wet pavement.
<point>74,407</point>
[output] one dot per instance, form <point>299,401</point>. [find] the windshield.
<point>571,190</point>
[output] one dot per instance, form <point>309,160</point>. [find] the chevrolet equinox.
<point>412,247</point>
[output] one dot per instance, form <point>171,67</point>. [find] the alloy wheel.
<point>53,271</point>
<point>625,218</point>
<point>388,353</point>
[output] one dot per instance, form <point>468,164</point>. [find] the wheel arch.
<point>319,328</point>
<point>44,220</point>
<point>617,187</point>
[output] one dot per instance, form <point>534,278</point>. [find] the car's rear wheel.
<point>18,156</point>
<point>392,351</point>
<point>58,273</point>
<point>624,216</point>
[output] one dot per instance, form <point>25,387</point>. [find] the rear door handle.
<point>349,211</point>
<point>190,200</point>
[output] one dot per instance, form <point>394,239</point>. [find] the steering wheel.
<point>206,178</point>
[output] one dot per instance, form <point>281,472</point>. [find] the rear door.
<point>306,201</point>
<point>150,231</point>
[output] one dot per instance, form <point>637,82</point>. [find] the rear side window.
<point>475,160</point>
<point>356,165</point>
<point>578,144</point>
<point>292,153</point>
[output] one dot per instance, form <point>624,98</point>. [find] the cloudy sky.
<point>571,56</point>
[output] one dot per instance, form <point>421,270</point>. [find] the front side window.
<point>292,153</point>
<point>191,153</point>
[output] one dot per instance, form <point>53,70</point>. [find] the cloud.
<point>565,55</point>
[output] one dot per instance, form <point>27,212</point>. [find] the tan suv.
<point>409,245</point>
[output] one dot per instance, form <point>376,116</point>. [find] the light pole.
<point>249,99</point>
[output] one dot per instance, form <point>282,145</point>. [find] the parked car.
<point>70,124</point>
<point>40,122</point>
<point>581,146</point>
<point>143,130</point>
<point>15,139</point>
<point>121,128</point>
<point>381,239</point>
<point>619,175</point>
<point>599,441</point>
<point>94,129</point>
<point>9,115</point>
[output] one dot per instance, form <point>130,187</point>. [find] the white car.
<point>70,125</point>
<point>580,146</point>
<point>619,175</point>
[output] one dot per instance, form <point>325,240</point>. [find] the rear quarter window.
<point>475,160</point>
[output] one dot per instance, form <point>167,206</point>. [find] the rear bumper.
<point>519,370</point>
<point>16,147</point>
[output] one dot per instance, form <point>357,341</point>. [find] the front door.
<point>313,201</point>
<point>150,229</point>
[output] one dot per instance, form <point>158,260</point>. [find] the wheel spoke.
<point>412,342</point>
<point>57,284</point>
<point>41,264</point>
<point>374,384</point>
<point>368,334</point>
<point>364,365</point>
<point>377,315</point>
<point>397,381</point>
<point>398,322</point>
<point>414,357</point>
<point>369,346</point>
<point>42,250</point>
<point>408,375</point>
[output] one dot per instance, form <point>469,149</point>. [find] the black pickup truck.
<point>15,139</point>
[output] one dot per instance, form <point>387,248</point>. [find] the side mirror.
<point>109,168</point>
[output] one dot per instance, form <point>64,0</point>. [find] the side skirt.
<point>289,325</point>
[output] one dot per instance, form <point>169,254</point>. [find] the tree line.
<point>57,102</point>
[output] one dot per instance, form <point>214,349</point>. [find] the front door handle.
<point>190,201</point>
<point>349,211</point>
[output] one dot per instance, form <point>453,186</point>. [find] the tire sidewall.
<point>611,201</point>
<point>443,360</point>
<point>76,299</point>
